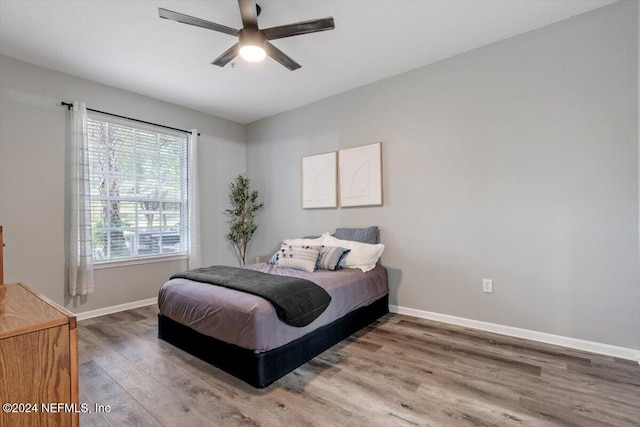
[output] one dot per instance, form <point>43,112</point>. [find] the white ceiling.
<point>125,44</point>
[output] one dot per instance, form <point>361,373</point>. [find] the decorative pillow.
<point>362,255</point>
<point>274,258</point>
<point>298,257</point>
<point>330,257</point>
<point>301,242</point>
<point>369,235</point>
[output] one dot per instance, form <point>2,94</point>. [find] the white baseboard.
<point>590,346</point>
<point>115,308</point>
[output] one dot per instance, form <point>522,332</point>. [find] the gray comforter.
<point>249,321</point>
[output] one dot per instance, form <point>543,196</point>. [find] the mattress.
<point>249,321</point>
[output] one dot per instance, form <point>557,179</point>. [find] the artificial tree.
<point>244,206</point>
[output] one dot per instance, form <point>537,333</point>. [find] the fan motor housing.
<point>252,37</point>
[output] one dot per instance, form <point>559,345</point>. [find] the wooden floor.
<point>400,371</point>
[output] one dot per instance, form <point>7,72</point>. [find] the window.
<point>138,190</point>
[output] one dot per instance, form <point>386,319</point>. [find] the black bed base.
<point>262,369</point>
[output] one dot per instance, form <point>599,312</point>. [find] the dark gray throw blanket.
<point>297,302</point>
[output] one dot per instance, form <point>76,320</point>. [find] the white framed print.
<point>319,187</point>
<point>361,175</point>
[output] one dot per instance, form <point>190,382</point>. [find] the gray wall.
<point>517,162</point>
<point>33,129</point>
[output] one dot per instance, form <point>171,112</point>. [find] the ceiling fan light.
<point>252,53</point>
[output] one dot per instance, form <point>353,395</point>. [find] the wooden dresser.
<point>1,258</point>
<point>38,359</point>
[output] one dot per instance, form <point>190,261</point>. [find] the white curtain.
<point>193,192</point>
<point>80,247</point>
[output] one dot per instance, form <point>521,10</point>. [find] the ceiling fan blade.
<point>299,28</point>
<point>249,13</point>
<point>186,19</point>
<point>281,57</point>
<point>226,57</point>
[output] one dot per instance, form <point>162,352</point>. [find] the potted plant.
<point>244,206</point>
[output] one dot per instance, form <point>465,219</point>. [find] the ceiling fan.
<point>253,44</point>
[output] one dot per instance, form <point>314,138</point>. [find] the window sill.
<point>138,261</point>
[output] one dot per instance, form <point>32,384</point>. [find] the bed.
<point>241,333</point>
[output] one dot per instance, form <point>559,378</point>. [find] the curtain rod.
<point>69,106</point>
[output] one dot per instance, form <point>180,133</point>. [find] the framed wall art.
<point>361,175</point>
<point>319,181</point>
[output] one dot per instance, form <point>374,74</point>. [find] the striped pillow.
<point>330,257</point>
<point>305,241</point>
<point>298,257</point>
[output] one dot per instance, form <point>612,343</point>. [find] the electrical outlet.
<point>487,285</point>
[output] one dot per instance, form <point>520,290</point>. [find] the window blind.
<point>138,190</point>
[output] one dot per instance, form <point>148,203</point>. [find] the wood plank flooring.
<point>400,371</point>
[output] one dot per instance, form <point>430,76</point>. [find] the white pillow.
<point>300,257</point>
<point>297,242</point>
<point>362,255</point>
<point>307,242</point>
